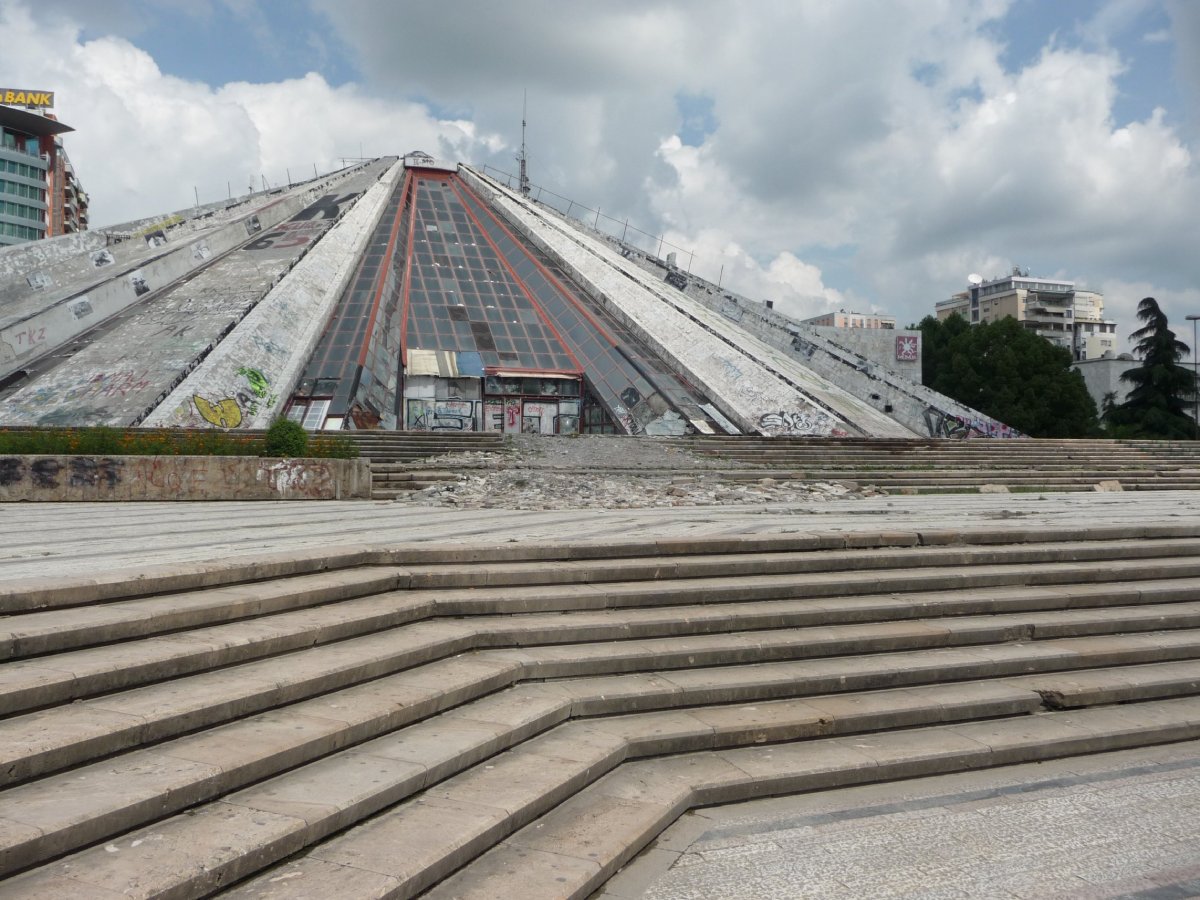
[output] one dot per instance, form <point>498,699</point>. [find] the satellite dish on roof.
<point>975,278</point>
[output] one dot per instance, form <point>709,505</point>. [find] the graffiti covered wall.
<point>260,361</point>
<point>110,478</point>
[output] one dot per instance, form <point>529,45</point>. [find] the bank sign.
<point>25,97</point>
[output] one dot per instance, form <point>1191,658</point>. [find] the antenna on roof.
<point>522,158</point>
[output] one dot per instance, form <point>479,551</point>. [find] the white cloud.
<point>866,153</point>
<point>144,142</point>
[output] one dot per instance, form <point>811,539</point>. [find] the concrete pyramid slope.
<point>756,386</point>
<point>520,720</point>
<point>178,305</point>
<point>411,294</point>
<point>279,334</point>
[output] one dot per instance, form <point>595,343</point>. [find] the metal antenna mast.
<point>523,172</point>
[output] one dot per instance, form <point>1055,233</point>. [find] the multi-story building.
<point>40,195</point>
<point>843,319</point>
<point>1070,317</point>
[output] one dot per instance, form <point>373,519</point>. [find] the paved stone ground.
<point>64,539</point>
<point>1117,825</point>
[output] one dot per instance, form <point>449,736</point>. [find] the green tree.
<point>1009,373</point>
<point>1161,389</point>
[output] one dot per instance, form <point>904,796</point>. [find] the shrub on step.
<point>285,438</point>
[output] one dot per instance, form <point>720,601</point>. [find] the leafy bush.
<point>285,438</point>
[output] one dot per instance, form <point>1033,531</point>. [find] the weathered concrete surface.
<point>119,379</point>
<point>74,539</point>
<point>761,389</point>
<point>159,478</point>
<point>50,295</point>
<point>1114,825</point>
<point>276,339</point>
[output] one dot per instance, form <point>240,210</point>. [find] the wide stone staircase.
<point>941,465</point>
<point>520,720</point>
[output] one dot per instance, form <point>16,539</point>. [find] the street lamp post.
<point>1195,377</point>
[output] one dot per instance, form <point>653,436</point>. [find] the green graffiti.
<point>258,381</point>
<point>259,386</point>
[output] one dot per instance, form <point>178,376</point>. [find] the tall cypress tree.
<point>1162,389</point>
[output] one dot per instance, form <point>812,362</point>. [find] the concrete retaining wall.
<point>104,478</point>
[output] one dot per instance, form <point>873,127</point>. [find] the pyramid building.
<point>417,294</point>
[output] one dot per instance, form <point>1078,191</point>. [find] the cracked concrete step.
<point>48,592</point>
<point>984,562</point>
<point>571,851</point>
<point>125,791</point>
<point>67,676</point>
<point>308,804</point>
<point>48,631</point>
<point>36,743</point>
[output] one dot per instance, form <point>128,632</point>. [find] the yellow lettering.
<point>19,97</point>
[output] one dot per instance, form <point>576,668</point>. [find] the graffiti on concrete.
<point>12,470</point>
<point>289,234</point>
<point>81,308</point>
<point>29,337</point>
<point>798,422</point>
<point>137,280</point>
<point>306,226</point>
<point>732,372</point>
<point>301,478</point>
<point>941,424</point>
<point>328,207</point>
<point>90,471</point>
<point>440,415</point>
<point>493,415</point>
<point>45,472</point>
<point>512,414</point>
<point>159,227</point>
<point>223,413</point>
<point>39,281</point>
<point>260,391</point>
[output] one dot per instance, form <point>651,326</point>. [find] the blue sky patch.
<point>697,120</point>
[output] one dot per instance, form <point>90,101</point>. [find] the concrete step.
<point>690,578</point>
<point>317,800</point>
<point>68,676</point>
<point>50,592</point>
<point>571,851</point>
<point>225,720</point>
<point>270,735</point>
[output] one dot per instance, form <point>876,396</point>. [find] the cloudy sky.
<point>865,154</point>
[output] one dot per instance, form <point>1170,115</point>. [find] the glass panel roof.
<point>463,296</point>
